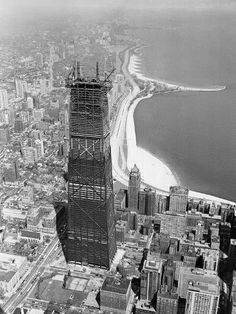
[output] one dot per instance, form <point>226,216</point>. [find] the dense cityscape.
<point>73,237</point>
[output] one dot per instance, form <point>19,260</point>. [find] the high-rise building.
<point>199,231</point>
<point>150,204</point>
<point>61,117</point>
<point>25,116</point>
<point>187,274</point>
<point>10,171</point>
<point>169,275</point>
<point>133,221</point>
<point>232,250</point>
<point>212,209</point>
<point>116,296</point>
<point>178,199</point>
<point>39,59</point>
<point>66,117</point>
<point>4,118</point>
<point>202,298</point>
<point>30,103</point>
<point>150,279</point>
<point>25,87</point>
<point>18,125</point>
<point>19,88</point>
<point>43,86</point>
<point>141,202</point>
<point>11,116</point>
<point>3,99</point>
<point>4,134</point>
<point>147,204</point>
<point>40,148</point>
<point>233,293</point>
<point>166,303</point>
<point>50,81</point>
<point>30,154</point>
<point>62,50</point>
<point>91,224</point>
<point>134,186</point>
<point>27,195</point>
<point>225,232</point>
<point>161,203</point>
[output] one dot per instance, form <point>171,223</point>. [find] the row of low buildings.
<point>12,269</point>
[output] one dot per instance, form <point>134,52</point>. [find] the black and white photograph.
<point>117,157</point>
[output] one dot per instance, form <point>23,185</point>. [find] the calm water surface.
<point>195,133</point>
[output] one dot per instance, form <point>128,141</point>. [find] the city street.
<point>29,281</point>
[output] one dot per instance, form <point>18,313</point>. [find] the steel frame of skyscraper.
<point>90,216</point>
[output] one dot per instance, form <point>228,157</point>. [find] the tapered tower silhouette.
<point>134,187</point>
<point>90,217</point>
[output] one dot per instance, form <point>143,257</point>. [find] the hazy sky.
<point>28,10</point>
<point>50,4</point>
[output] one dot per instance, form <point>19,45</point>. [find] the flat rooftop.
<point>145,307</point>
<point>6,275</point>
<point>9,259</point>
<point>116,285</point>
<point>204,287</point>
<point>9,264</point>
<point>153,264</point>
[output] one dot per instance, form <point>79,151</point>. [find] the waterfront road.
<point>119,127</point>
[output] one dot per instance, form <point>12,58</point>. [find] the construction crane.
<point>107,76</point>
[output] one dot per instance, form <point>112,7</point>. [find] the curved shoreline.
<point>137,154</point>
<point>134,60</point>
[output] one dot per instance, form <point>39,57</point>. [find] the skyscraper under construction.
<point>90,217</point>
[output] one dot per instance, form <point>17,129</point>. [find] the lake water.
<point>193,132</point>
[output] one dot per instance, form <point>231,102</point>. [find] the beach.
<point>154,172</point>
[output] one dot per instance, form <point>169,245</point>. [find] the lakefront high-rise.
<point>134,187</point>
<point>90,217</point>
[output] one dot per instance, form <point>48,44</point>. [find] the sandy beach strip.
<point>154,172</point>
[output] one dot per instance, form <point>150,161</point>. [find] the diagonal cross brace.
<point>88,215</point>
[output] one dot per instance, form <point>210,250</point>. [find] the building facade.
<point>166,303</point>
<point>4,134</point>
<point>134,186</point>
<point>3,99</point>
<point>202,298</point>
<point>178,199</point>
<point>150,279</point>
<point>29,154</point>
<point>116,296</point>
